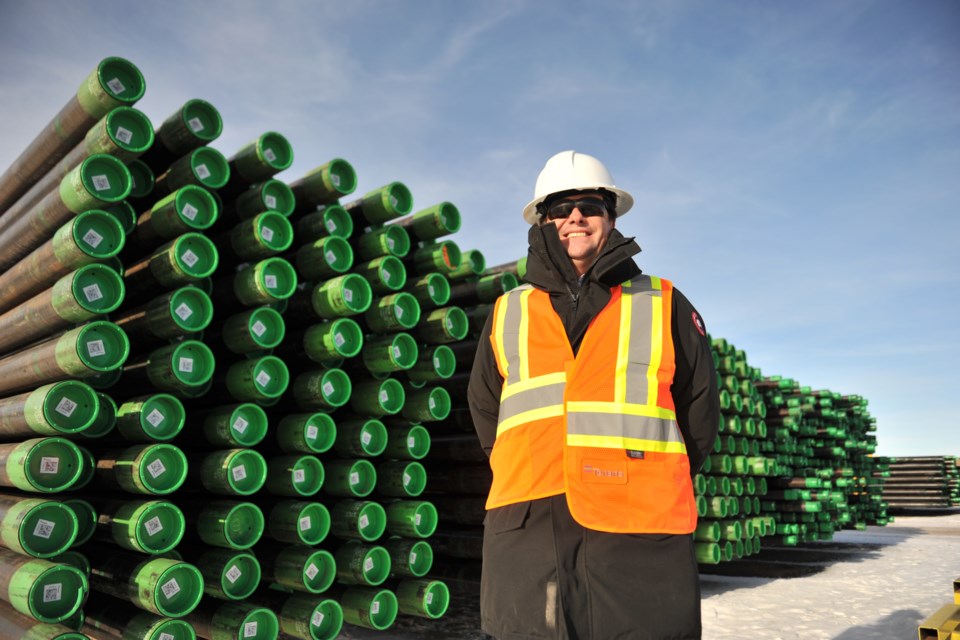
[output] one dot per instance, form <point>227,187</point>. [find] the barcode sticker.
<point>267,233</point>
<point>270,281</point>
<point>432,403</point>
<point>406,479</point>
<point>195,124</point>
<point>305,523</point>
<point>202,171</point>
<point>101,183</point>
<point>240,424</point>
<point>331,226</point>
<point>124,135</point>
<point>375,607</point>
<point>170,588</point>
<point>92,292</point>
<point>239,473</point>
<point>348,295</point>
<point>299,475</point>
<point>66,407</point>
<point>153,525</point>
<point>368,564</point>
<point>155,417</point>
<point>430,290</point>
<point>312,432</point>
<point>44,529</point>
<point>190,212</point>
<point>399,312</point>
<point>263,378</point>
<point>354,478</point>
<point>259,328</point>
<point>366,437</point>
<point>338,339</point>
<point>411,442</point>
<point>49,464</point>
<point>189,257</point>
<point>436,362</point>
<point>394,202</point>
<point>269,155</point>
<point>317,619</point>
<point>52,592</point>
<point>396,352</point>
<point>387,276</point>
<point>184,311</point>
<point>364,521</point>
<point>233,574</point>
<point>116,86</point>
<point>95,348</point>
<point>335,179</point>
<point>250,629</point>
<point>312,571</point>
<point>390,243</point>
<point>331,257</point>
<point>429,597</point>
<point>166,636</point>
<point>156,468</point>
<point>449,324</point>
<point>328,388</point>
<point>185,365</point>
<point>413,557</point>
<point>416,519</point>
<point>384,396</point>
<point>92,238</point>
<point>270,201</point>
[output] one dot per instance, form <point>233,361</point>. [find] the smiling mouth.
<point>577,235</point>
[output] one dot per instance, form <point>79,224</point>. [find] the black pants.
<point>546,576</point>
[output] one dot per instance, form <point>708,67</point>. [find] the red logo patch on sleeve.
<point>698,323</point>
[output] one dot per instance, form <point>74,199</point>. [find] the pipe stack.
<point>922,482</point>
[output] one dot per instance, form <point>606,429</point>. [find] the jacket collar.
<point>549,268</point>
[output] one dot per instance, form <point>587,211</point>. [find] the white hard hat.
<point>572,171</point>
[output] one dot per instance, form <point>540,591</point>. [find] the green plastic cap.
<point>326,620</point>
<point>195,255</point>
<point>387,202</point>
<point>366,438</point>
<point>393,352</point>
<point>241,425</point>
<point>267,328</point>
<point>299,522</point>
<point>105,178</point>
<point>271,195</point>
<point>401,478</point>
<point>330,342</point>
<point>428,406</point>
<point>243,470</point>
<point>86,520</point>
<point>332,385</point>
<point>436,362</point>
<point>426,598</point>
<point>209,167</point>
<point>240,576</point>
<point>168,587</point>
<point>162,469</point>
<point>344,295</point>
<point>158,526</point>
<point>267,155</point>
<point>106,418</point>
<point>358,519</point>
<point>49,465</point>
<point>369,607</point>
<point>46,528</point>
<point>395,312</point>
<point>159,417</point>
<point>411,518</point>
<point>234,525</point>
<point>274,230</point>
<point>363,564</point>
<point>439,220</point>
<point>191,309</point>
<point>187,364</point>
<point>295,475</point>
<point>125,215</point>
<point>306,432</point>
<point>121,79</point>
<point>195,207</point>
<point>391,273</point>
<point>97,288</point>
<point>433,288</point>
<point>378,397</point>
<point>70,406</point>
<point>409,557</point>
<point>265,377</point>
<point>413,443</point>
<point>350,478</point>
<point>328,182</point>
<point>142,180</point>
<point>98,234</point>
<point>267,281</point>
<point>130,129</point>
<point>46,591</point>
<point>202,119</point>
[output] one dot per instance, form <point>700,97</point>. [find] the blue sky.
<point>791,162</point>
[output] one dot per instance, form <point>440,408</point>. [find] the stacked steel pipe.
<point>922,482</point>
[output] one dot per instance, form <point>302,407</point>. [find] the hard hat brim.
<point>624,203</point>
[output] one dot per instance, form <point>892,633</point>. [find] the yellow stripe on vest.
<point>524,334</point>
<point>622,407</point>
<point>619,442</point>
<point>623,349</point>
<point>499,322</point>
<point>532,383</point>
<point>552,411</point>
<point>656,348</point>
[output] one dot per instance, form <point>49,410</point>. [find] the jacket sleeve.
<point>694,389</point>
<point>483,393</point>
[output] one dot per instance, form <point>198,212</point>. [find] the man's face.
<point>582,235</point>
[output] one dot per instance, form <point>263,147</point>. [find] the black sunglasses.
<point>588,207</point>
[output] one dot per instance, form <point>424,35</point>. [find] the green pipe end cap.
<point>191,309</point>
<point>307,475</point>
<point>277,277</point>
<point>391,396</point>
<point>267,327</point>
<point>70,406</point>
<point>256,624</point>
<point>412,518</point>
<point>97,288</point>
<point>106,418</point>
<point>419,558</point>
<point>337,221</point>
<point>86,521</point>
<point>342,176</point>
<point>429,598</point>
<point>361,479</point>
<point>177,590</point>
<point>326,621</point>
<point>161,416</point>
<point>209,167</point>
<point>54,594</point>
<point>195,207</point>
<point>418,442</point>
<point>335,387</point>
<point>239,527</point>
<point>130,129</point>
<point>192,363</point>
<point>406,310</point>
<point>375,609</point>
<point>444,361</point>
<point>240,576</point>
<point>438,288</point>
<point>319,571</point>
<point>404,350</point>
<point>47,529</point>
<point>153,628</point>
<point>98,234</point>
<point>352,296</point>
<point>142,180</point>
<point>392,273</point>
<point>278,196</point>
<point>246,472</point>
<point>397,240</point>
<point>275,231</point>
<point>202,119</point>
<point>121,79</point>
<point>346,337</point>
<point>196,255</point>
<point>248,424</point>
<point>105,178</point>
<point>163,470</point>
<point>125,215</point>
<point>313,523</point>
<point>160,526</point>
<point>275,151</point>
<point>414,479</point>
<point>51,465</point>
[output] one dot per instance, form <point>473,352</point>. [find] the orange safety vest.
<point>600,427</point>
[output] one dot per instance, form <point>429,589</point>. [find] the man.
<point>595,396</point>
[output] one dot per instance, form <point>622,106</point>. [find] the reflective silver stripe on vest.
<point>641,346</point>
<point>537,397</point>
<point>625,425</point>
<point>510,334</point>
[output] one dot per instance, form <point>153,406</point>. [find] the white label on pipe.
<point>430,290</point>
<point>348,295</point>
<point>413,557</point>
<point>368,564</point>
<point>184,311</point>
<point>375,607</point>
<point>44,529</point>
<point>384,396</point>
<point>101,183</point>
<point>406,479</point>
<point>233,574</point>
<point>364,521</point>
<point>95,348</point>
<point>250,629</point>
<point>240,424</point>
<point>312,432</point>
<point>391,243</point>
<point>396,352</point>
<point>416,519</point>
<point>92,238</point>
<point>338,339</point>
<point>189,257</point>
<point>432,403</point>
<point>52,592</point>
<point>270,281</point>
<point>354,479</point>
<point>331,257</point>
<point>394,202</point>
<point>202,171</point>
<point>335,179</point>
<point>387,276</point>
<point>166,636</point>
<point>116,86</point>
<point>153,525</point>
<point>399,312</point>
<point>66,407</point>
<point>449,324</point>
<point>267,233</point>
<point>49,464</point>
<point>365,438</point>
<point>195,124</point>
<point>429,597</point>
<point>411,442</point>
<point>312,571</point>
<point>155,417</point>
<point>269,155</point>
<point>436,362</point>
<point>190,212</point>
<point>263,378</point>
<point>186,365</point>
<point>92,292</point>
<point>170,588</point>
<point>317,619</point>
<point>156,468</point>
<point>124,135</point>
<point>270,201</point>
<point>299,475</point>
<point>327,388</point>
<point>259,328</point>
<point>331,226</point>
<point>305,523</point>
<point>133,181</point>
<point>239,473</point>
